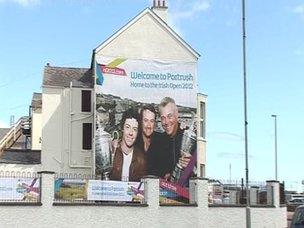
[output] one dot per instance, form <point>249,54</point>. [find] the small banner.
<point>171,193</point>
<point>20,189</point>
<point>115,191</point>
<point>70,189</point>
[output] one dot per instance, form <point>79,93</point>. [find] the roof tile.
<point>62,76</point>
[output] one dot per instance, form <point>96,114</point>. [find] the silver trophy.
<point>187,147</point>
<point>103,152</point>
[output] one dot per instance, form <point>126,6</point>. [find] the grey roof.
<point>21,157</point>
<point>3,132</point>
<point>62,76</point>
<point>37,100</point>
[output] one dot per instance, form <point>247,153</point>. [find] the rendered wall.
<point>146,39</point>
<point>52,129</point>
<point>36,130</point>
<point>62,131</point>
<point>201,141</point>
<point>152,215</point>
<point>79,158</point>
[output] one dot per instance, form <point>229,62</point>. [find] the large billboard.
<point>145,119</point>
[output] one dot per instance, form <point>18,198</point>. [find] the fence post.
<point>201,194</point>
<point>193,190</point>
<point>273,193</point>
<point>253,191</point>
<point>47,188</point>
<point>151,190</point>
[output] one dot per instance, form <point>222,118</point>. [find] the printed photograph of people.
<point>146,148</point>
<point>148,139</point>
<point>129,162</point>
<point>173,137</point>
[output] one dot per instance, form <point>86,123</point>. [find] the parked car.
<point>296,202</point>
<point>292,196</point>
<point>298,218</point>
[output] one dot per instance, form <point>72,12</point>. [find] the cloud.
<point>3,124</point>
<point>299,52</point>
<point>226,136</point>
<point>299,9</point>
<point>232,155</point>
<point>186,10</point>
<point>23,3</point>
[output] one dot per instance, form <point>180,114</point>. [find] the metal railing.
<point>234,192</point>
<point>19,187</point>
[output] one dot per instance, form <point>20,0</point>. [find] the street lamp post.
<point>248,219</point>
<point>275,146</point>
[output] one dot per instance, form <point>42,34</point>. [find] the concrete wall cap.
<point>199,178</point>
<point>46,172</point>
<point>150,177</point>
<point>272,181</point>
<point>254,187</point>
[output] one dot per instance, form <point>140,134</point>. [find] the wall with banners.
<point>163,93</point>
<point>149,215</point>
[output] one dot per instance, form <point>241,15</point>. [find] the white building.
<point>68,95</point>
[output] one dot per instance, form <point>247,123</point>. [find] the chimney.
<point>159,7</point>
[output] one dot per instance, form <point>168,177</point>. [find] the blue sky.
<point>63,33</point>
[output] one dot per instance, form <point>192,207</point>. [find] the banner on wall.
<point>70,189</point>
<point>162,140</point>
<point>115,191</point>
<point>20,189</point>
<point>98,190</point>
<point>147,81</point>
<point>172,193</point>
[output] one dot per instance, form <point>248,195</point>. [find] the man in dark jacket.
<point>172,139</point>
<point>149,140</point>
<point>129,163</point>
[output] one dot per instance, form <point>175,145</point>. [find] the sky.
<point>64,33</point>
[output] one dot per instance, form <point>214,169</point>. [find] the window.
<point>202,117</point>
<point>202,170</point>
<point>86,136</point>
<point>86,101</point>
